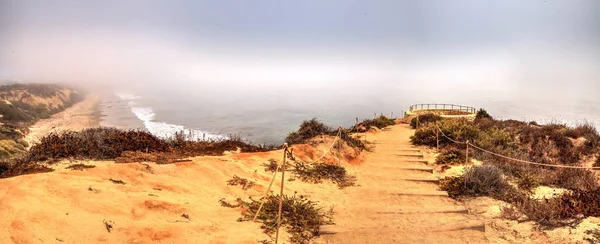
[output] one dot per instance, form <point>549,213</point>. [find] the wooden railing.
<point>442,106</point>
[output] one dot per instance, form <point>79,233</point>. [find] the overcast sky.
<point>495,44</point>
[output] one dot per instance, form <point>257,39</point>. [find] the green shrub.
<point>451,155</point>
<point>482,114</point>
<point>379,122</point>
<point>308,129</point>
<point>528,182</point>
<point>457,129</point>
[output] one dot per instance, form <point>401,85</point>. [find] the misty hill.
<point>22,105</point>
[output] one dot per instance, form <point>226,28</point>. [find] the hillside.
<point>24,104</point>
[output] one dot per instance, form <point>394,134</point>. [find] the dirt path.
<point>398,200</point>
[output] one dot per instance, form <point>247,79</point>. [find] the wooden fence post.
<point>467,153</point>
<point>417,121</point>
<point>340,145</point>
<point>285,146</point>
<point>437,136</point>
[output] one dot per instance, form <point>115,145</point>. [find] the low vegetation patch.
<point>379,123</point>
<point>122,146</point>
<point>482,114</point>
<point>80,167</point>
<point>21,166</point>
<point>243,182</point>
<point>96,143</point>
<point>451,155</point>
<point>554,144</point>
<point>318,172</point>
<point>309,129</point>
<point>301,217</point>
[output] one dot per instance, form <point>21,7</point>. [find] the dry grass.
<point>301,217</point>
<point>243,182</point>
<point>318,172</point>
<point>80,167</point>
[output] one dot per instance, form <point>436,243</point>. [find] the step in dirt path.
<point>399,201</point>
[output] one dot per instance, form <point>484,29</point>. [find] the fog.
<point>435,51</point>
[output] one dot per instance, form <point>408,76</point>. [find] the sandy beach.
<point>85,114</point>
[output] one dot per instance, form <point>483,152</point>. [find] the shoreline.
<point>82,115</point>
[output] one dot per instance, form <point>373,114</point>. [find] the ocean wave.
<point>162,129</point>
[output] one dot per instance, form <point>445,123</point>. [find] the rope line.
<point>517,160</point>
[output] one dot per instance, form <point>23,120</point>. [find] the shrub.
<point>96,143</point>
<point>485,180</point>
<point>528,182</point>
<point>80,167</point>
<point>351,141</point>
<point>379,122</point>
<point>482,114</point>
<point>316,173</point>
<point>481,180</point>
<point>271,166</point>
<point>21,166</point>
<point>451,155</point>
<point>245,183</point>
<point>302,217</point>
<point>457,129</point>
<point>425,119</point>
<point>308,129</point>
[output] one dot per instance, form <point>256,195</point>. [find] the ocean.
<point>267,116</point>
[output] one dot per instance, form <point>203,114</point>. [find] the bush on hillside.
<point>379,122</point>
<point>20,166</point>
<point>96,143</point>
<point>301,217</point>
<point>308,129</point>
<point>451,155</point>
<point>316,173</point>
<point>425,119</point>
<point>457,129</point>
<point>480,180</point>
<point>352,141</point>
<point>482,114</point>
<point>10,148</point>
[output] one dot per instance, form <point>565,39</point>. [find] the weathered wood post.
<point>285,146</point>
<point>340,145</point>
<point>437,136</point>
<point>467,153</point>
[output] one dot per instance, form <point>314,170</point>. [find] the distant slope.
<point>21,105</point>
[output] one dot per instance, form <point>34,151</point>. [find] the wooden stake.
<point>437,136</point>
<point>417,122</point>
<point>285,146</point>
<point>270,185</point>
<point>467,153</point>
<point>339,146</point>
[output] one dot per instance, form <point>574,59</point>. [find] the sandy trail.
<point>398,200</point>
<point>80,116</point>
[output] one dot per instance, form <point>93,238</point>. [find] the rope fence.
<point>467,143</point>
